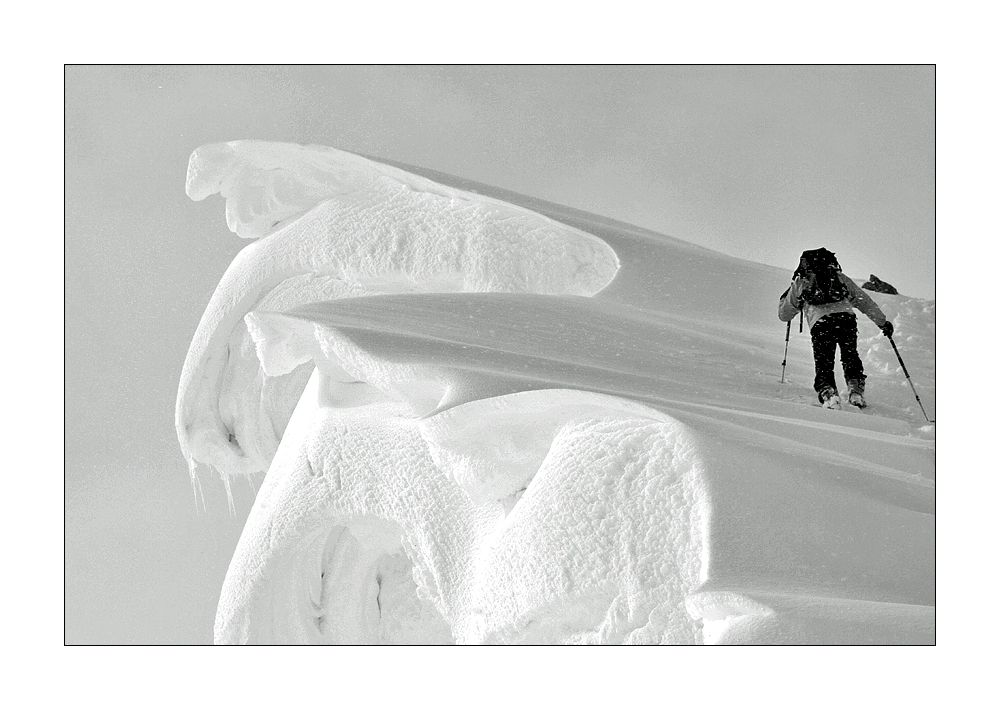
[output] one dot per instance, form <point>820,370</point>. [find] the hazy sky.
<point>756,162</point>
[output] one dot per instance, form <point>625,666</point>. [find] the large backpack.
<point>827,286</point>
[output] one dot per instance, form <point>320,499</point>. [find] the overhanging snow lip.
<point>215,167</point>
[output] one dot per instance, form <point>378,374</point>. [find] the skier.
<point>829,299</point>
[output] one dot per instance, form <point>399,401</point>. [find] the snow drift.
<point>489,419</point>
<point>371,229</point>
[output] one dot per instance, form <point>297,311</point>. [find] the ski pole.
<point>893,342</point>
<point>788,333</point>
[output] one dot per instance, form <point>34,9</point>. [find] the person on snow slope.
<point>829,298</point>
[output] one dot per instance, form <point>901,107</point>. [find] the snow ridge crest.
<point>330,225</point>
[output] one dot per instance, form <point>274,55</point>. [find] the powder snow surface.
<point>489,419</point>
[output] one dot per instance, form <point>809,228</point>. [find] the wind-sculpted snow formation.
<point>370,229</point>
<point>489,419</point>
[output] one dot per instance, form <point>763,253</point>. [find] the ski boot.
<point>856,393</point>
<point>829,398</point>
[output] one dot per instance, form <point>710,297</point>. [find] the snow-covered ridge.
<point>334,225</point>
<point>524,423</point>
<point>370,535</point>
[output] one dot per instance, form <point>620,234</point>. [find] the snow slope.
<point>486,418</point>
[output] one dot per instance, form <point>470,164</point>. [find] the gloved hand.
<point>887,329</point>
<point>798,287</point>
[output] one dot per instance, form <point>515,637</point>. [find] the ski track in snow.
<point>486,418</point>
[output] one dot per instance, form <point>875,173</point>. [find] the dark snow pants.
<point>827,333</point>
